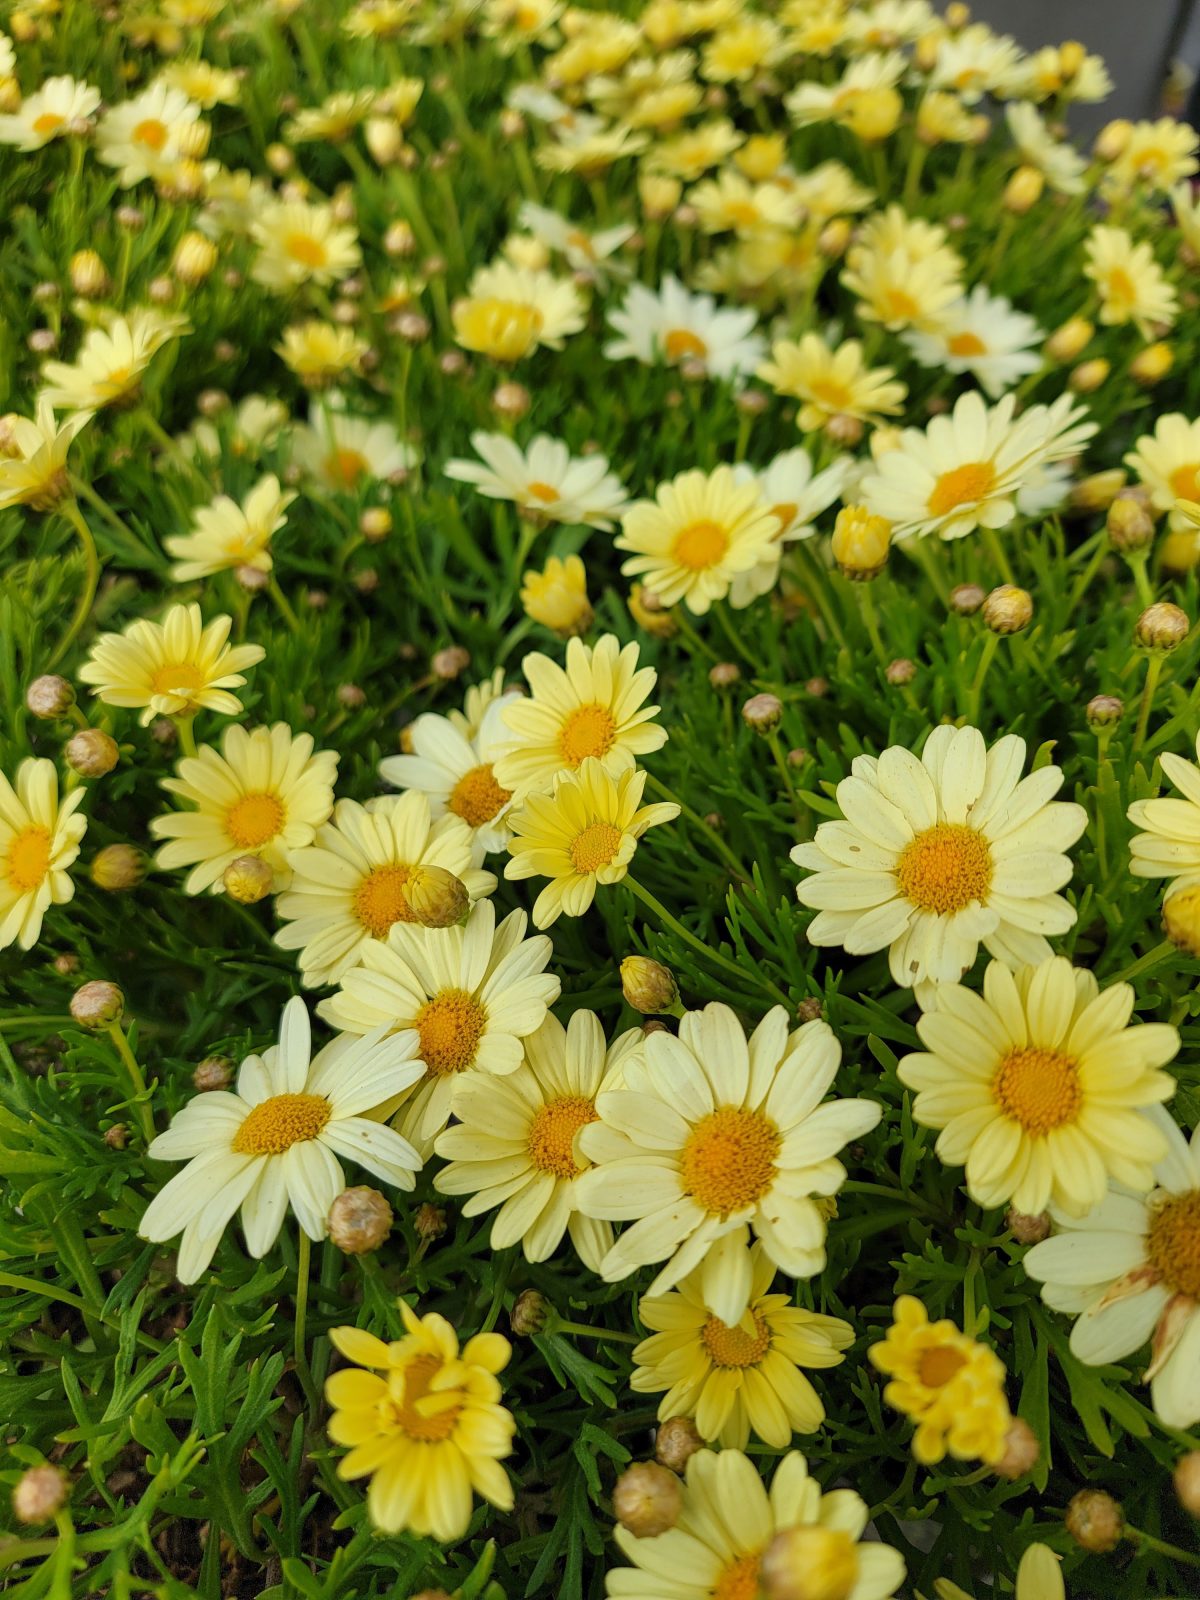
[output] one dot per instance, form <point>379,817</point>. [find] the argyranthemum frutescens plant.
<point>645,561</point>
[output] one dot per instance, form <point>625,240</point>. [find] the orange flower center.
<point>739,1580</point>
<point>1185,481</point>
<point>545,492</point>
<point>1039,1088</point>
<point>939,1364</point>
<point>961,486</point>
<point>899,306</point>
<point>152,133</point>
<point>595,847</point>
<point>734,1347</point>
<point>344,468</point>
<point>451,1026</point>
<point>1173,1243</point>
<point>477,797</point>
<point>700,545</point>
<point>590,730</point>
<point>176,678</point>
<point>379,901</point>
<point>275,1125</point>
<point>966,344</point>
<point>305,249</point>
<point>551,1139</point>
<point>945,868</point>
<point>49,122</point>
<point>254,819</point>
<point>786,512</point>
<point>27,859</point>
<point>728,1161</point>
<point>425,1415</point>
<point>682,342</point>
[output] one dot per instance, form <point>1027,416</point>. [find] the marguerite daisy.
<point>509,311</point>
<point>172,668</point>
<point>39,840</point>
<point>301,242</point>
<point>673,325</point>
<point>1059,163</point>
<point>831,382</point>
<point>108,369</point>
<point>226,534</point>
<point>345,453</point>
<point>146,136</point>
<point>33,464</point>
<point>457,772</point>
<point>1167,462</point>
<point>48,113</point>
<point>981,334</point>
<point>794,497</point>
<point>545,479</point>
<point>1131,284</point>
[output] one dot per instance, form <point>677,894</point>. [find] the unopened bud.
<point>116,1137</point>
<point>1027,1227</point>
<point>676,1442</point>
<point>429,1221</point>
<point>1152,364</point>
<point>1023,190</point>
<point>724,675</point>
<point>97,1004</point>
<point>360,1220</point>
<point>1008,609</point>
<point>351,695</point>
<point>861,541</point>
<point>511,400</point>
<point>1088,376</point>
<point>763,712</point>
<point>834,237</point>
<point>248,880</point>
<point>1104,711</point>
<point>1187,1482</point>
<point>843,429</point>
<point>92,752</point>
<point>89,276</point>
<point>118,867</point>
<point>1095,1521</point>
<point>436,898</point>
<point>900,672</point>
<point>66,964</point>
<point>1098,491</point>
<point>1181,919</point>
<point>648,986</point>
<point>40,1494</point>
<point>647,1499</point>
<point>966,599</point>
<point>1021,1451</point>
<point>375,524</point>
<point>214,1072</point>
<point>648,611</point>
<point>49,697</point>
<point>1161,626</point>
<point>809,1563</point>
<point>450,663</point>
<point>530,1313</point>
<point>1070,339</point>
<point>194,259</point>
<point>1112,140</point>
<point>1129,522</point>
<point>400,240</point>
<point>810,1010</point>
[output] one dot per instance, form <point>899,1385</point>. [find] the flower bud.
<point>1095,1521</point>
<point>89,276</point>
<point>49,697</point>
<point>97,1004</point>
<point>1187,1482</point>
<point>724,675</point>
<point>860,543</point>
<point>1180,551</point>
<point>1129,522</point>
<point>1104,711</point>
<point>511,400</point>
<point>194,259</point>
<point>450,663</point>
<point>659,195</point>
<point>1161,626</point>
<point>1021,1451</point>
<point>873,114</point>
<point>843,429</point>
<point>1112,140</point>
<point>648,611</point>
<point>92,752</point>
<point>676,1442</point>
<point>810,1010</point>
<point>118,867</point>
<point>648,986</point>
<point>429,1221</point>
<point>436,898</point>
<point>763,712</point>
<point>214,1072</point>
<point>375,524</point>
<point>809,1563</point>
<point>360,1220</point>
<point>647,1499</point>
<point>966,599</point>
<point>1027,1228</point>
<point>40,1494</point>
<point>900,672</point>
<point>351,695</point>
<point>1097,492</point>
<point>1008,609</point>
<point>116,1137</point>
<point>248,880</point>
<point>557,597</point>
<point>400,240</point>
<point>1023,190</point>
<point>1070,339</point>
<point>834,238</point>
<point>1181,919</point>
<point>66,964</point>
<point>1152,364</point>
<point>1088,376</point>
<point>530,1313</point>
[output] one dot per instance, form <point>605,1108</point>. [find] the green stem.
<point>818,588</point>
<point>144,1115</point>
<point>303,1372</point>
<point>912,173</point>
<point>1160,1546</point>
<point>870,617</point>
<point>917,549</point>
<point>186,737</point>
<point>284,605</point>
<point>677,927</point>
<point>1153,958</point>
<point>996,550</point>
<point>164,440</point>
<point>1137,560</point>
<point>581,1328</point>
<point>13,1280</point>
<point>91,578</point>
<point>975,693</point>
<point>1154,666</point>
<point>725,623</point>
<point>799,809</point>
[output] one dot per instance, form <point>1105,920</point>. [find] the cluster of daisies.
<point>795,221</point>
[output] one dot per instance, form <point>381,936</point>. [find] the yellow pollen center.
<point>1038,1088</point>
<point>595,847</point>
<point>254,819</point>
<point>938,1365</point>
<point>27,860</point>
<point>961,486</point>
<point>1173,1243</point>
<point>379,901</point>
<point>477,797</point>
<point>545,492</point>
<point>505,329</point>
<point>1121,288</point>
<point>309,252</point>
<point>728,1161</point>
<point>425,1415</point>
<point>551,1139</point>
<point>590,730</point>
<point>945,868</point>
<point>48,122</point>
<point>345,467</point>
<point>786,512</point>
<point>899,305</point>
<point>742,213</point>
<point>835,396</point>
<point>152,133</point>
<point>966,344</point>
<point>451,1026</point>
<point>700,545</point>
<point>739,1580</point>
<point>1185,481</point>
<point>682,342</point>
<point>275,1125</point>
<point>176,677</point>
<point>734,1347</point>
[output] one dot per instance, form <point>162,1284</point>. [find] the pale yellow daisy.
<point>111,361</point>
<point>302,242</point>
<point>1131,284</point>
<point>509,311</point>
<point>1167,462</point>
<point>226,535</point>
<point>457,771</point>
<point>833,382</point>
<point>39,840</point>
<point>172,668</point>
<point>33,461</point>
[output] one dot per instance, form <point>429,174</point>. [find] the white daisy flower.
<point>48,113</point>
<point>544,479</point>
<point>344,453</point>
<point>589,253</point>
<point>981,334</point>
<point>795,497</point>
<point>671,325</point>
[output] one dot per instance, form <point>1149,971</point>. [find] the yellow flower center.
<point>742,213</point>
<point>505,329</point>
<point>833,395</point>
<point>682,342</point>
<point>545,492</point>
<point>899,306</point>
<point>305,249</point>
<point>590,730</point>
<point>961,486</point>
<point>1185,481</point>
<point>966,344</point>
<point>739,1580</point>
<point>1173,1243</point>
<point>379,901</point>
<point>945,868</point>
<point>938,1365</point>
<point>451,1026</point>
<point>1121,289</point>
<point>345,467</point>
<point>176,677</point>
<point>595,847</point>
<point>700,545</point>
<point>551,1139</point>
<point>152,133</point>
<point>48,122</point>
<point>728,1161</point>
<point>786,512</point>
<point>425,1415</point>
<point>734,1347</point>
<point>477,797</point>
<point>1038,1088</point>
<point>275,1125</point>
<point>254,819</point>
<point>27,859</point>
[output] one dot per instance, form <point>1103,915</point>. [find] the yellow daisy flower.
<point>1157,155</point>
<point>319,353</point>
<point>48,113</point>
<point>831,383</point>
<point>902,271</point>
<point>1132,285</point>
<point>146,136</point>
<point>172,668</point>
<point>950,1385</point>
<point>508,311</point>
<point>515,1146</point>
<point>556,597</point>
<point>266,793</point>
<point>348,887</point>
<point>700,532</point>
<point>740,1379</point>
<point>1038,1086</point>
<point>1169,845</point>
<point>430,1431</point>
<point>227,535</point>
<point>583,834</point>
<point>39,839</point>
<point>713,1133</point>
<point>591,708</point>
<point>108,369</point>
<point>33,458</point>
<point>1167,462</point>
<point>299,242</point>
